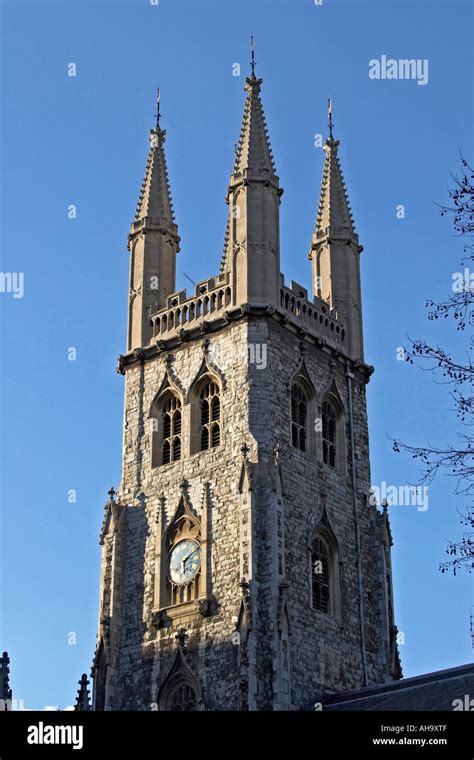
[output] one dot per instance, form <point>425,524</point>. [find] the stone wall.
<point>262,503</point>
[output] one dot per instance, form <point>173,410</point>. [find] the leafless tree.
<point>455,458</point>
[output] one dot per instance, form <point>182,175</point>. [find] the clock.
<point>185,561</point>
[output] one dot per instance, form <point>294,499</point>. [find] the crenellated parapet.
<point>315,316</point>
<point>212,298</point>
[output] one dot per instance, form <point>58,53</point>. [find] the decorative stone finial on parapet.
<point>120,365</point>
<point>181,638</point>
<point>245,451</point>
<point>82,699</point>
<point>5,691</point>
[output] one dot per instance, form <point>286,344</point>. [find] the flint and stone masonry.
<point>245,465</point>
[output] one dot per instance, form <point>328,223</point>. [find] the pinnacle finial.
<point>330,124</point>
<point>158,97</point>
<point>82,699</point>
<point>181,637</point>
<point>252,48</point>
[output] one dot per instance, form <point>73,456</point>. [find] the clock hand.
<point>183,561</point>
<point>189,556</point>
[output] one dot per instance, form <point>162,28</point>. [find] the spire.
<point>253,150</point>
<point>153,242</point>
<point>333,209</point>
<point>154,201</point>
<point>5,691</point>
<point>335,248</point>
<point>251,253</point>
<point>82,699</point>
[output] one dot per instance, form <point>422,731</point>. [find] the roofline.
<point>402,685</point>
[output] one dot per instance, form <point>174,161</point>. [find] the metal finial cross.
<point>158,108</point>
<point>330,125</point>
<point>252,47</point>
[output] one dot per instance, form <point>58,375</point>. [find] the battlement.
<point>316,315</point>
<point>213,296</point>
<point>213,299</point>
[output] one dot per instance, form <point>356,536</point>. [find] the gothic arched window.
<point>299,403</point>
<point>171,429</point>
<point>180,690</point>
<point>166,418</point>
<point>320,575</point>
<point>210,415</point>
<point>182,698</point>
<point>329,430</point>
<point>325,571</point>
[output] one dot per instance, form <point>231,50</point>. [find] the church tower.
<point>244,566</point>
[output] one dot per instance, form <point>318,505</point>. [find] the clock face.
<point>185,561</point>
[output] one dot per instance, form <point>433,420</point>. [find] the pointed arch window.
<point>182,698</point>
<point>320,575</point>
<point>210,415</point>
<point>171,421</point>
<point>299,414</point>
<point>329,430</point>
<point>180,690</point>
<point>325,581</point>
<point>167,418</point>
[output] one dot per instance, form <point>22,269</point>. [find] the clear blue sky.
<point>83,141</point>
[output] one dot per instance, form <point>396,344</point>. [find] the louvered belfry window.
<point>299,405</point>
<point>210,405</point>
<point>171,422</point>
<point>320,580</point>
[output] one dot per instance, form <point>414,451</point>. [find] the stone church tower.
<point>243,565</point>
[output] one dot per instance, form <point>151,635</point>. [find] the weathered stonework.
<point>248,637</point>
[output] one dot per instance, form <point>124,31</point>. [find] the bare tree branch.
<point>454,459</point>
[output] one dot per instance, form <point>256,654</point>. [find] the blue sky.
<point>83,141</point>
